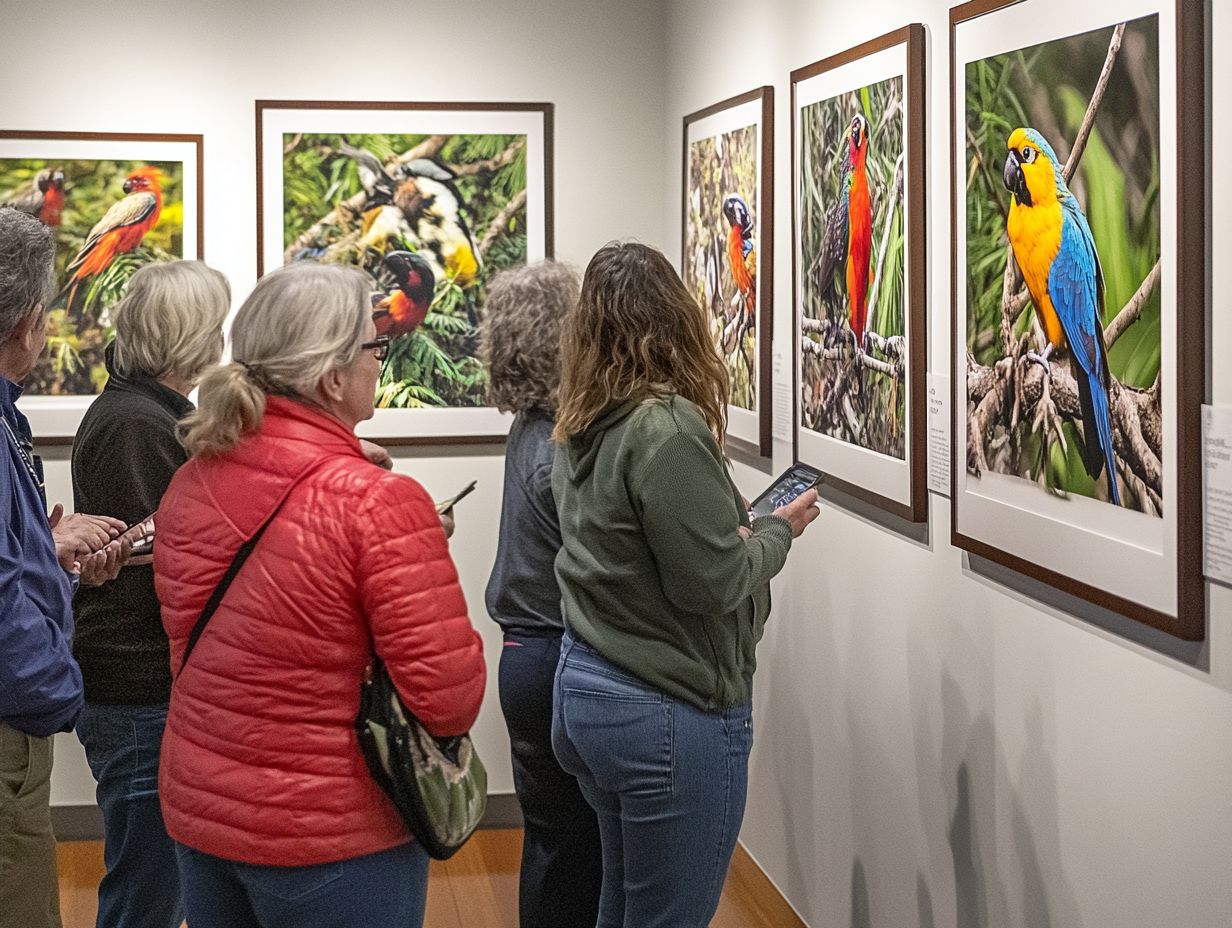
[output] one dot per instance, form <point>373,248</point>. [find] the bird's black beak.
<point>1015,180</point>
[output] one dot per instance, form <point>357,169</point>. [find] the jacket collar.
<point>178,404</point>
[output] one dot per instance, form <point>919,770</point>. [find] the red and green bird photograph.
<point>720,249</point>
<point>109,217</point>
<point>431,219</point>
<point>852,248</point>
<point>1063,276</point>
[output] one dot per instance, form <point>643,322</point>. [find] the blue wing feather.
<point>1076,286</point>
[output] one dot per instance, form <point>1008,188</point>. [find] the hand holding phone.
<point>791,497</point>
<point>445,505</point>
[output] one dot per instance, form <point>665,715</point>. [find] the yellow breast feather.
<point>1035,236</point>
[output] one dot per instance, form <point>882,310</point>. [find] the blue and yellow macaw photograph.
<point>721,236</point>
<point>1063,306</point>
<point>853,243</point>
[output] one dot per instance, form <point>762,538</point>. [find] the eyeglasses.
<point>379,347</point>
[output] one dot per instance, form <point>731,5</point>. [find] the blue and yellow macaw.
<point>1056,253</point>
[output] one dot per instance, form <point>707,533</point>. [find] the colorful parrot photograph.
<point>109,217</point>
<point>720,248</point>
<point>852,289</point>
<point>431,218</point>
<point>1063,277</point>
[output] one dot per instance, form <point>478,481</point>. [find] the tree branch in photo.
<point>491,164</point>
<point>501,220</point>
<point>347,209</point>
<point>1097,97</point>
<point>1133,309</point>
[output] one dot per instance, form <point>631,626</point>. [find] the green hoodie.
<point>654,572</point>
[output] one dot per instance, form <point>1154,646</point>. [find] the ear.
<point>30,328</point>
<point>330,386</point>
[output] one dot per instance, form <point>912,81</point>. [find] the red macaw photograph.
<point>852,229</point>
<point>1063,273</point>
<point>720,250</point>
<point>109,217</point>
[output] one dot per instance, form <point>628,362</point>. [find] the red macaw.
<point>406,306</point>
<point>122,227</point>
<point>42,198</point>
<point>860,229</point>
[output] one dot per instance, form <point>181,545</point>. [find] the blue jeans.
<point>667,780</point>
<point>562,859</point>
<point>141,888</point>
<point>383,890</point>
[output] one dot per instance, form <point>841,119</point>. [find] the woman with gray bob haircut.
<point>264,788</point>
<point>168,330</point>
<point>562,866</point>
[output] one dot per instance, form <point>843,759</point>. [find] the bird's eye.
<point>1028,154</point>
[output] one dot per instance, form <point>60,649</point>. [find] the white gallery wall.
<point>933,748</point>
<point>148,66</point>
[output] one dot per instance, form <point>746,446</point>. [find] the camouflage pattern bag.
<point>439,785</point>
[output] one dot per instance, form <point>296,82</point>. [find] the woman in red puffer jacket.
<point>263,784</point>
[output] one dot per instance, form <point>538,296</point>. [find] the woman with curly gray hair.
<point>562,867</point>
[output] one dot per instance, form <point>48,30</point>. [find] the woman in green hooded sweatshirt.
<point>664,587</point>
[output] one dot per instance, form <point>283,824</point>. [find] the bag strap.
<point>215,600</point>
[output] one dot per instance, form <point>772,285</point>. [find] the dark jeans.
<point>383,890</point>
<point>141,888</point>
<point>668,781</point>
<point>562,861</point>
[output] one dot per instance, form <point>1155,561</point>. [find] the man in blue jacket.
<point>40,684</point>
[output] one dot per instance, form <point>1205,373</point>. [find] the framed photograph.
<point>431,200</point>
<point>1079,283</point>
<point>727,250</point>
<point>859,271</point>
<point>114,203</point>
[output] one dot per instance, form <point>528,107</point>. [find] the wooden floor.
<point>478,888</point>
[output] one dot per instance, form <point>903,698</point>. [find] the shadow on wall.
<point>861,916</point>
<point>1036,893</point>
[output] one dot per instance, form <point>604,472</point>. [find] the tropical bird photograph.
<point>851,223</point>
<point>1063,266</point>
<point>109,217</point>
<point>720,250</point>
<point>431,218</point>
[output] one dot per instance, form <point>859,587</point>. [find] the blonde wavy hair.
<point>519,340</point>
<point>636,333</point>
<point>170,320</point>
<point>299,322</point>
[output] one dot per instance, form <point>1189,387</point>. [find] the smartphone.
<point>446,504</point>
<point>792,482</point>
<point>141,534</point>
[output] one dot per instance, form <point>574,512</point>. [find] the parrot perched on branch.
<point>404,309</point>
<point>42,198</point>
<point>122,227</point>
<point>742,259</point>
<point>432,204</point>
<point>1055,250</point>
<point>860,229</point>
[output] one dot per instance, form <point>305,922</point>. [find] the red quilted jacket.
<point>260,762</point>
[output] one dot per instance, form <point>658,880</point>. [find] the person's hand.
<point>376,454</point>
<point>447,522</point>
<point>799,512</point>
<point>79,535</point>
<point>103,566</point>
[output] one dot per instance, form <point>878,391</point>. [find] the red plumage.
<point>860,229</point>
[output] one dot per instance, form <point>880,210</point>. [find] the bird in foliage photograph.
<point>1063,275</point>
<point>430,218</point>
<point>109,218</point>
<point>720,266</point>
<point>853,339</point>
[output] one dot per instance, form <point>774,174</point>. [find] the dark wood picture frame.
<point>916,289</point>
<point>1191,287</point>
<point>194,139</point>
<point>545,110</point>
<point>764,446</point>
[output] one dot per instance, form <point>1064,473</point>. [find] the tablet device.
<point>141,534</point>
<point>791,483</point>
